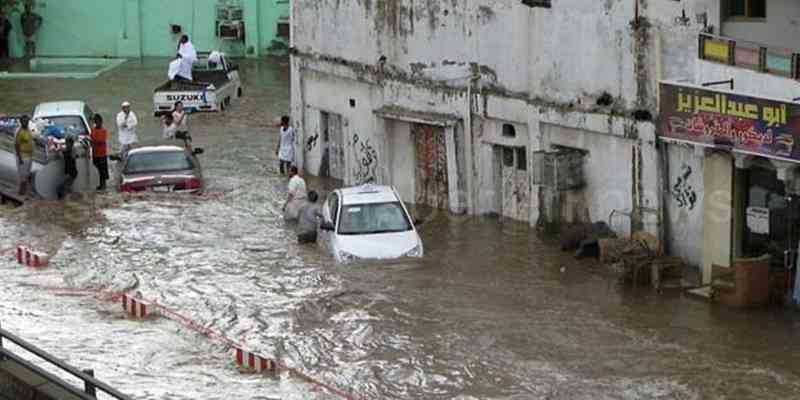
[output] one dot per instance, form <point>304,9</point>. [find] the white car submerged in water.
<point>368,222</point>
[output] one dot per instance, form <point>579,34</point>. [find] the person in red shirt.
<point>100,150</point>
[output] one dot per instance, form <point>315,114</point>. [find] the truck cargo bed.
<point>202,79</point>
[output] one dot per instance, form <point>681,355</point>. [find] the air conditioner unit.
<point>230,30</point>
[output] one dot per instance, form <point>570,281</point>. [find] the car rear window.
<point>158,161</point>
<point>73,124</point>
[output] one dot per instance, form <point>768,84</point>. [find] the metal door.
<point>335,146</point>
<point>431,159</point>
<point>516,188</point>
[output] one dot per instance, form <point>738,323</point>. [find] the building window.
<point>508,157</point>
<point>537,3</point>
<point>747,9</point>
<point>509,131</point>
<point>522,159</point>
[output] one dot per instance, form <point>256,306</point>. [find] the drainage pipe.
<point>141,30</point>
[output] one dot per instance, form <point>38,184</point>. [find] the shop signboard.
<point>756,125</point>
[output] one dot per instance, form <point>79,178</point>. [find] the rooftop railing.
<point>749,55</point>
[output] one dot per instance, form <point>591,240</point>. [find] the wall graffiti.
<point>311,142</point>
<point>366,161</point>
<point>684,193</point>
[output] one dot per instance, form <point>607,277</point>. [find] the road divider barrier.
<point>246,360</point>
<point>137,308</point>
<point>253,362</point>
<point>30,258</point>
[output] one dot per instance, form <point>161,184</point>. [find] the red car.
<point>162,168</point>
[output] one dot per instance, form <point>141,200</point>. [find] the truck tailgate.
<point>198,100</point>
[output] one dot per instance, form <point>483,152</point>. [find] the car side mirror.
<point>326,226</point>
<point>198,151</point>
<point>115,157</point>
<point>418,221</point>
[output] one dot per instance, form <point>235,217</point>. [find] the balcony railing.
<point>754,56</point>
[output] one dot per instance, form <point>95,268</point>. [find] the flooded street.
<point>491,312</point>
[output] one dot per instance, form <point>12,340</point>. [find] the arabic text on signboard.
<point>756,125</point>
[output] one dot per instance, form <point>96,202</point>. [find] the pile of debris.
<point>584,238</point>
<point>637,259</point>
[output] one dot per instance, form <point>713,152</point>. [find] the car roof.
<point>156,149</point>
<point>56,108</point>
<point>367,194</point>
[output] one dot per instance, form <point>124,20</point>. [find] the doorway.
<point>514,188</point>
<point>333,145</point>
<point>771,217</point>
<point>431,180</point>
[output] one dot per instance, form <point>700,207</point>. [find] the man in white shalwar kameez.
<point>188,56</point>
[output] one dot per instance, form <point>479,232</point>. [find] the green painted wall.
<point>133,28</point>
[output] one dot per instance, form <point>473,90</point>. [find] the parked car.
<point>216,83</point>
<point>47,172</point>
<point>368,222</point>
<point>161,168</point>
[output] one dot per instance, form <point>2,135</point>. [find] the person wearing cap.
<point>126,129</point>
<point>23,144</point>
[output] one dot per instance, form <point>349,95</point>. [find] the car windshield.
<point>365,219</point>
<point>72,124</point>
<point>158,161</point>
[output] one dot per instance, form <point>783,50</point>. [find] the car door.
<point>330,213</point>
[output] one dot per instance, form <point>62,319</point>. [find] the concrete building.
<point>469,105</point>
<point>729,134</point>
<point>542,112</point>
<point>135,28</point>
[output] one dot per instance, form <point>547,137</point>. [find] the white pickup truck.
<point>215,84</point>
<point>71,118</point>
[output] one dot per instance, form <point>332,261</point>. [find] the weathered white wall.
<point>413,35</point>
<point>312,148</point>
<point>684,203</point>
<point>332,94</point>
<point>516,47</point>
<point>717,212</point>
<point>402,160</point>
<point>780,29</point>
<point>748,82</point>
<point>544,67</point>
<point>607,171</point>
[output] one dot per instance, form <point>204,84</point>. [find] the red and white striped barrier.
<point>31,258</point>
<point>244,359</point>
<point>253,362</point>
<point>137,308</point>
